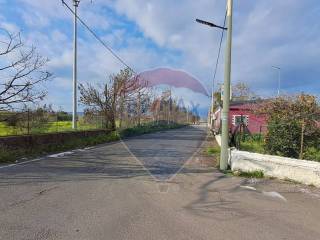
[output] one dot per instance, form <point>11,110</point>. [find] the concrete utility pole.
<point>279,78</point>
<point>75,85</point>
<point>226,95</point>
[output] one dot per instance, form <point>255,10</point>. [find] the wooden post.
<point>302,139</point>
<point>28,124</point>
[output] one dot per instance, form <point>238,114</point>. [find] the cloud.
<point>153,33</point>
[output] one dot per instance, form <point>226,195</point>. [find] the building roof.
<point>243,102</point>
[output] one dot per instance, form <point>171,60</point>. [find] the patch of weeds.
<point>7,156</point>
<point>213,150</point>
<point>10,155</point>
<point>253,174</point>
<point>252,146</point>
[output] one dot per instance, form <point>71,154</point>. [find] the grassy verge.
<point>211,151</point>
<point>9,155</point>
<point>253,146</point>
<point>48,127</point>
<point>147,128</point>
<point>254,174</point>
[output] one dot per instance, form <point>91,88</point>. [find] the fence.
<point>36,121</point>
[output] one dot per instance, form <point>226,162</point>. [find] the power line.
<point>219,52</point>
<point>98,38</point>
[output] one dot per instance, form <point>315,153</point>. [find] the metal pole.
<point>279,81</point>
<point>226,94</point>
<point>188,115</point>
<point>74,109</point>
<point>279,78</point>
<point>212,103</point>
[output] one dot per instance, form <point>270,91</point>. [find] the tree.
<point>292,124</point>
<point>111,98</point>
<point>21,72</point>
<point>242,92</point>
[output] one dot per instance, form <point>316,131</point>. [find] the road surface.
<point>149,187</point>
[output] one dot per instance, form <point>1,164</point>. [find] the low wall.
<point>30,141</point>
<point>302,171</point>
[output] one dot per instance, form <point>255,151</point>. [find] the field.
<point>44,128</point>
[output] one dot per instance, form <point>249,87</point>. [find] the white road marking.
<point>60,154</point>
<point>275,195</point>
<point>38,159</point>
<point>25,162</point>
<point>249,187</point>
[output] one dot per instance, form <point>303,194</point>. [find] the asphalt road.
<point>149,187</point>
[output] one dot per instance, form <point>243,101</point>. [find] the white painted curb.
<point>302,171</point>
<point>218,139</point>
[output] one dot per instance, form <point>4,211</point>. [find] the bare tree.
<point>112,98</point>
<point>242,92</point>
<point>21,70</point>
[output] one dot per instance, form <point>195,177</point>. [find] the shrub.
<point>312,153</point>
<point>291,124</point>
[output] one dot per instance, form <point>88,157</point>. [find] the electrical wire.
<point>219,53</point>
<point>98,38</point>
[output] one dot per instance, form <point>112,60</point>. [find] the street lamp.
<point>279,78</point>
<point>210,24</point>
<point>227,79</point>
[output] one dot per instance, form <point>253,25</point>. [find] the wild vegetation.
<point>293,128</point>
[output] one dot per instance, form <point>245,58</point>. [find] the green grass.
<point>147,128</point>
<point>257,146</point>
<point>312,154</point>
<point>252,146</point>
<point>213,150</point>
<point>50,127</point>
<point>8,155</point>
<point>254,174</point>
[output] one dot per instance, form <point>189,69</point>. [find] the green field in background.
<point>45,128</point>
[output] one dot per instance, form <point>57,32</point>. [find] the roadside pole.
<point>226,95</point>
<point>75,85</point>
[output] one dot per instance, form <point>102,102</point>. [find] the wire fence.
<point>30,122</point>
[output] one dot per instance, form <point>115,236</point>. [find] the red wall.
<point>255,125</point>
